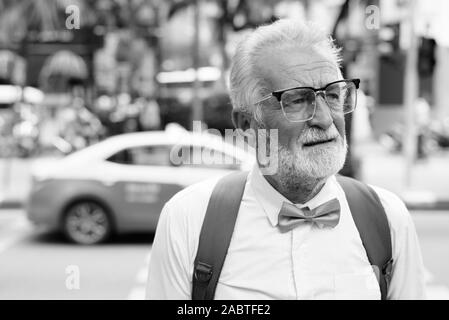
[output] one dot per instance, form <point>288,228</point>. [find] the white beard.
<point>308,165</point>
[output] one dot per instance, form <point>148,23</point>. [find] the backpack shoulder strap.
<point>216,233</point>
<point>372,223</point>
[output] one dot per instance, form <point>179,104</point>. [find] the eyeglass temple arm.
<point>266,98</point>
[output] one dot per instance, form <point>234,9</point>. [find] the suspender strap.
<point>372,223</point>
<point>216,233</point>
<point>218,225</point>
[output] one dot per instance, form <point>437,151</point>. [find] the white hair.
<point>245,85</point>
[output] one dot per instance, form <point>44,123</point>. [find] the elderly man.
<point>286,76</point>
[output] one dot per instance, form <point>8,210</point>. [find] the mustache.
<point>314,134</point>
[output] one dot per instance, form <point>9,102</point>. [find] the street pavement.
<point>428,180</point>
<point>37,265</point>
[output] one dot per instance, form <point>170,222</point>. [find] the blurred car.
<point>121,184</point>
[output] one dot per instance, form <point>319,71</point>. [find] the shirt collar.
<point>271,200</point>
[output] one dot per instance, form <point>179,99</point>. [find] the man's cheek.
<point>294,145</point>
<point>339,122</point>
<point>293,134</point>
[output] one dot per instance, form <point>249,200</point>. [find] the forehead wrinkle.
<point>305,79</point>
<point>312,78</point>
<point>315,73</point>
<point>314,65</point>
<point>275,72</point>
<point>317,69</point>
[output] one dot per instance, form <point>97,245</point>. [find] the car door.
<point>145,181</point>
<point>197,162</point>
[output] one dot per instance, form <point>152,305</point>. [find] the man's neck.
<point>300,192</point>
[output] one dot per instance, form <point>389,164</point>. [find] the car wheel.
<point>87,222</point>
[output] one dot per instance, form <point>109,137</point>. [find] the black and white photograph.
<point>252,150</point>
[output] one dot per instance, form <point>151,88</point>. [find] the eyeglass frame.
<point>278,93</point>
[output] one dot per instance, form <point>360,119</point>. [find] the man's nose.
<point>323,117</point>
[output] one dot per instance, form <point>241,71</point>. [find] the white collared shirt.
<point>308,262</point>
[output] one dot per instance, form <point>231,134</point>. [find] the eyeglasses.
<point>299,104</point>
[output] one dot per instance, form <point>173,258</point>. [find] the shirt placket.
<point>300,264</point>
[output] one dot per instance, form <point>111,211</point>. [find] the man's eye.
<point>333,96</point>
<point>298,100</point>
<point>290,108</point>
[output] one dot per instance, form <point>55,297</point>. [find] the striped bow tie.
<point>327,214</point>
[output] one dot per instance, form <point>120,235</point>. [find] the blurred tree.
<point>232,15</point>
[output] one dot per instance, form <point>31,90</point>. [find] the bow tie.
<point>327,214</point>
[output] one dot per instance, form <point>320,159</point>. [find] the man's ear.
<point>241,120</point>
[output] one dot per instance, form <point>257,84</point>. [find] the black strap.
<point>216,233</point>
<point>372,223</point>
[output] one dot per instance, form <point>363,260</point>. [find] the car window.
<point>202,157</point>
<point>122,157</point>
<point>143,156</point>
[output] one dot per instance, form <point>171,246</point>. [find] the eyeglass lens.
<point>299,104</point>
